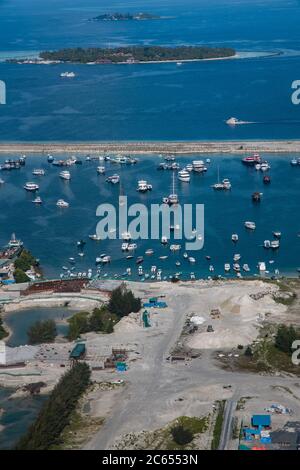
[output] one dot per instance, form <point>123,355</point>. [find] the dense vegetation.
<point>3,332</point>
<point>218,426</point>
<point>100,320</point>
<point>24,262</point>
<point>285,337</point>
<point>122,302</point>
<point>42,332</point>
<point>181,435</point>
<point>56,412</point>
<point>136,53</point>
<point>125,17</point>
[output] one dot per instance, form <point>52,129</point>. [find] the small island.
<point>131,54</point>
<point>125,17</point>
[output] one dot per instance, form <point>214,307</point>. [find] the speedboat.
<point>38,172</point>
<point>65,175</point>
<point>114,179</point>
<point>262,266</point>
<point>236,267</point>
<point>237,257</point>
<point>250,225</point>
<point>149,252</point>
<point>67,75</point>
<point>143,186</point>
<point>191,260</point>
<point>132,246</point>
<point>252,160</point>
<point>62,203</point>
<point>37,200</point>
<point>95,237</point>
<point>184,176</point>
<point>105,259</point>
<point>124,247</point>
<point>31,187</point>
<point>101,170</point>
<point>277,234</point>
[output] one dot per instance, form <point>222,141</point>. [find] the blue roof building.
<point>261,421</point>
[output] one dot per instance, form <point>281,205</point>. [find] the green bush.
<point>25,261</point>
<point>122,301</point>
<point>20,276</point>
<point>78,324</point>
<point>42,332</point>
<point>3,332</point>
<point>285,337</point>
<point>56,412</point>
<point>181,435</point>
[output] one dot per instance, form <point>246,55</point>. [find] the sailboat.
<point>173,197</point>
<point>121,195</point>
<point>224,185</point>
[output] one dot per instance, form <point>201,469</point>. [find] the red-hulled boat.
<point>252,160</point>
<point>267,179</point>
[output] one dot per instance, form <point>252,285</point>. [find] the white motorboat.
<point>175,247</point>
<point>31,187</point>
<point>250,225</point>
<point>267,244</point>
<point>164,240</point>
<point>65,175</point>
<point>67,75</point>
<point>143,186</point>
<point>237,257</point>
<point>246,268</point>
<point>124,246</point>
<point>235,237</point>
<point>277,234</point>
<point>105,259</point>
<point>149,252</point>
<point>38,172</point>
<point>62,203</point>
<point>114,179</point>
<point>275,244</point>
<point>236,267</point>
<point>101,170</point>
<point>191,260</point>
<point>14,243</point>
<point>126,236</point>
<point>199,166</point>
<point>2,181</point>
<point>183,175</point>
<point>227,267</point>
<point>132,246</point>
<point>262,266</point>
<point>225,185</point>
<point>37,200</point>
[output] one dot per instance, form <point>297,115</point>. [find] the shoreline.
<point>239,147</point>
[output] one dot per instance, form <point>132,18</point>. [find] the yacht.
<point>189,167</point>
<point>250,225</point>
<point>235,237</point>
<point>67,75</point>
<point>183,175</point>
<point>37,200</point>
<point>101,170</point>
<point>198,166</point>
<point>126,236</point>
<point>275,244</point>
<point>62,203</point>
<point>114,179</point>
<point>252,160</point>
<point>38,172</point>
<point>31,187</point>
<point>65,175</point>
<point>173,198</point>
<point>14,243</point>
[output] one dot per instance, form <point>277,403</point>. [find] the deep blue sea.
<point>151,101</point>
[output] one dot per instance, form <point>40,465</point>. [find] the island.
<point>125,17</point>
<point>131,54</point>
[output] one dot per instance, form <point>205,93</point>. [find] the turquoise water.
<point>18,414</point>
<point>52,233</point>
<point>152,101</point>
<point>20,321</point>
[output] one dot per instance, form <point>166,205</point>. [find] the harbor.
<point>239,193</point>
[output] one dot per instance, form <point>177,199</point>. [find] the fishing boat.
<point>101,170</point>
<point>65,175</point>
<point>14,242</point>
<point>31,187</point>
<point>62,203</point>
<point>250,225</point>
<point>38,172</point>
<point>37,200</point>
<point>235,237</point>
<point>184,176</point>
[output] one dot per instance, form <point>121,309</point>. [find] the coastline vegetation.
<point>42,332</point>
<point>122,302</point>
<point>56,412</point>
<point>23,263</point>
<point>136,54</point>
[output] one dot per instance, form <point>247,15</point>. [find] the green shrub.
<point>42,332</point>
<point>181,435</point>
